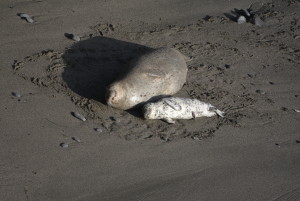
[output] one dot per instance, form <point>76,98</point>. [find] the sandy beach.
<point>250,72</point>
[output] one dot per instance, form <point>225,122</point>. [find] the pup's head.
<point>150,112</point>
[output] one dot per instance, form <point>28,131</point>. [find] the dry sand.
<point>250,72</point>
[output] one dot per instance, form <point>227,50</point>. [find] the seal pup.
<point>154,75</point>
<point>179,108</point>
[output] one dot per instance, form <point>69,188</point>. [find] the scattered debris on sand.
<point>26,17</point>
<point>78,116</point>
<point>16,94</point>
<point>64,145</point>
<point>72,37</point>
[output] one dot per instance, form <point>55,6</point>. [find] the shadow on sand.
<point>93,64</point>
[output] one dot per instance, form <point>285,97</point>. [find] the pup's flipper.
<point>169,120</point>
<point>173,104</point>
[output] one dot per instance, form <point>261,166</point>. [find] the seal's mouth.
<point>116,96</point>
<point>110,97</point>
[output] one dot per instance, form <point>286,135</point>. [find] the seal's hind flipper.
<point>218,112</point>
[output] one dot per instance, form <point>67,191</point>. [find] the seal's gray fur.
<point>158,73</point>
<point>179,108</point>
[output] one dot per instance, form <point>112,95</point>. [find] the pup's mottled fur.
<point>179,108</point>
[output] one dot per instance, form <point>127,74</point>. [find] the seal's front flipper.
<point>154,74</point>
<point>187,59</point>
<point>173,104</point>
<point>169,120</point>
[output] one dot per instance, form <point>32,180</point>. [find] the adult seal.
<point>156,74</point>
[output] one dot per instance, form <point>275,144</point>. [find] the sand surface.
<point>250,72</point>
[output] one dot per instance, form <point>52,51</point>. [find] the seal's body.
<point>179,108</point>
<point>157,73</point>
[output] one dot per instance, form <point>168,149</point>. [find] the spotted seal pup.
<point>179,108</point>
<point>154,75</point>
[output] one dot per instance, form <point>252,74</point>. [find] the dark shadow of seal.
<point>93,64</point>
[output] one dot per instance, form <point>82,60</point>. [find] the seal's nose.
<point>111,96</point>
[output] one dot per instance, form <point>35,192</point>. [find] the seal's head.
<point>116,96</point>
<point>150,111</point>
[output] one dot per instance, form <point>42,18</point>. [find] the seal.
<point>171,108</point>
<point>156,74</point>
